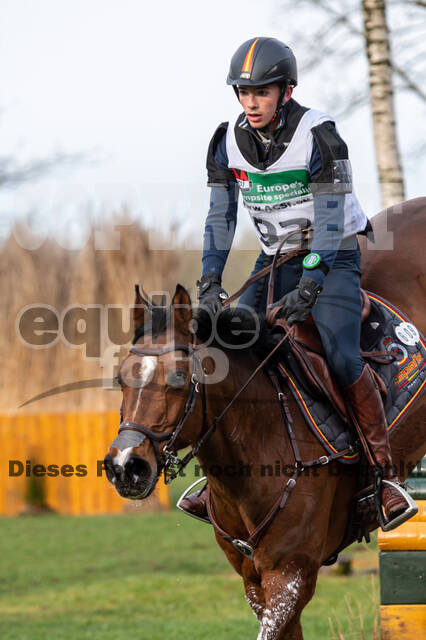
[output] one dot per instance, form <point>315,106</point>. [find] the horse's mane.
<point>231,328</point>
<point>156,324</point>
<point>236,327</point>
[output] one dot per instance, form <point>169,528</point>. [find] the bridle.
<point>166,459</point>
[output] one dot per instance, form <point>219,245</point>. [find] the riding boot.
<point>196,504</point>
<point>366,403</point>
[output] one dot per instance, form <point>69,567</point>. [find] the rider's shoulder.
<point>327,137</point>
<point>217,159</point>
<point>218,135</point>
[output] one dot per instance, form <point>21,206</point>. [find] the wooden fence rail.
<point>403,570</point>
<point>76,443</point>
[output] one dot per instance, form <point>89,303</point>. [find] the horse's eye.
<point>176,378</point>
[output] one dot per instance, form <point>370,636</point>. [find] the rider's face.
<point>260,103</point>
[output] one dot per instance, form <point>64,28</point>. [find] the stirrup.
<point>411,510</point>
<point>187,492</point>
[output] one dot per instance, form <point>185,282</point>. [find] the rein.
<point>248,546</point>
<point>277,262</point>
<point>168,459</point>
<point>181,464</point>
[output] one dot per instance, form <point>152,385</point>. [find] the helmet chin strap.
<point>280,105</point>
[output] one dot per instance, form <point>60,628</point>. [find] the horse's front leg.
<point>255,597</point>
<point>287,590</point>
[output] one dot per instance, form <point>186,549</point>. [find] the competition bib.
<point>278,203</point>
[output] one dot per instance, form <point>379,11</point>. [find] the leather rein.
<point>167,459</point>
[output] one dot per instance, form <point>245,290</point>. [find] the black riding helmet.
<point>261,61</point>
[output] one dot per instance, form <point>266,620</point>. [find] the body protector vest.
<point>279,198</point>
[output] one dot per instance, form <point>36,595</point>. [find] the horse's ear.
<point>139,310</point>
<point>181,309</point>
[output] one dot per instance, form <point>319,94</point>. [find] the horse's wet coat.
<point>252,598</point>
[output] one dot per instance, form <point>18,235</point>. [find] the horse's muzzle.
<point>133,476</point>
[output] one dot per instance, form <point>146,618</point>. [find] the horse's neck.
<point>250,435</point>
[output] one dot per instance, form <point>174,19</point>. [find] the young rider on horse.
<point>292,168</point>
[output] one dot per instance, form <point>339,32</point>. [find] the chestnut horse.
<point>281,578</point>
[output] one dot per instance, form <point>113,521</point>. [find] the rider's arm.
<point>330,181</point>
<point>221,219</point>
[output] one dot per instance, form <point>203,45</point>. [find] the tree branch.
<point>348,104</point>
<point>415,3</point>
<point>343,19</point>
<point>409,83</point>
<point>12,174</point>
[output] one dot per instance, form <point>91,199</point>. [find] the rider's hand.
<point>297,305</point>
<point>210,292</point>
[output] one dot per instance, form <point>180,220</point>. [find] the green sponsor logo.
<point>312,260</point>
<point>272,188</point>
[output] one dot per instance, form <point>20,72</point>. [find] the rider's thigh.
<point>337,315</point>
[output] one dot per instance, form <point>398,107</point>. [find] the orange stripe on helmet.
<point>248,62</point>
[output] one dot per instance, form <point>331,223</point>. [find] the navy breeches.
<point>337,312</point>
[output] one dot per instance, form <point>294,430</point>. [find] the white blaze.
<point>148,366</point>
<point>122,456</point>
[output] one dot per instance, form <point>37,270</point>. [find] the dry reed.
<point>52,275</point>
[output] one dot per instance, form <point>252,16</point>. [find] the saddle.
<point>384,330</point>
<point>306,347</point>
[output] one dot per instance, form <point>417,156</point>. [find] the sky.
<point>140,88</point>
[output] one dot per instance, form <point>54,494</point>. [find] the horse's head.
<point>155,378</point>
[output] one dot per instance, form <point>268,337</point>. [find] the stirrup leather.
<point>411,510</point>
<point>185,494</point>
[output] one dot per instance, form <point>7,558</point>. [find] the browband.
<point>158,352</point>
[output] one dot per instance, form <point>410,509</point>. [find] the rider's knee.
<point>346,369</point>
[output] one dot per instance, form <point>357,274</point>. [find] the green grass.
<point>145,576</point>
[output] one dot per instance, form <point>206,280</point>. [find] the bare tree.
<point>382,102</point>
<point>392,34</point>
<point>13,173</point>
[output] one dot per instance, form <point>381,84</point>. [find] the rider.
<point>292,168</point>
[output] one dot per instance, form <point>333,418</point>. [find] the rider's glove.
<point>297,305</point>
<point>210,292</point>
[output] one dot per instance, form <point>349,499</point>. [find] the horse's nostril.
<point>110,469</point>
<point>137,469</point>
